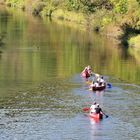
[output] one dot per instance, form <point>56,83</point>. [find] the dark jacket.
<point>98,110</point>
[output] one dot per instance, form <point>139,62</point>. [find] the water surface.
<point>42,93</point>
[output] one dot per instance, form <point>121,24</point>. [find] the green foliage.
<point>47,11</point>
<point>14,3</point>
<point>38,7</point>
<point>100,14</point>
<point>121,7</point>
<point>128,32</point>
<point>92,5</point>
<point>121,11</point>
<point>88,6</point>
<point>134,42</point>
<point>106,21</point>
<point>138,1</point>
<point>72,5</point>
<point>50,7</point>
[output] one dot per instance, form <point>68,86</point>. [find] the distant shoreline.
<point>102,21</point>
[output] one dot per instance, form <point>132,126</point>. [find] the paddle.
<point>109,85</point>
<point>86,109</point>
<point>105,114</point>
<point>95,74</point>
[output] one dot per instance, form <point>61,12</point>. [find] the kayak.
<point>96,116</point>
<point>98,88</point>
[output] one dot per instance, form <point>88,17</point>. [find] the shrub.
<point>13,3</point>
<point>138,1</point>
<point>121,7</point>
<point>38,7</point>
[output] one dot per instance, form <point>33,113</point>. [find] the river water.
<point>42,93</point>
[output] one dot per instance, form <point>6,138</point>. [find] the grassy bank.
<point>94,21</point>
<point>116,18</point>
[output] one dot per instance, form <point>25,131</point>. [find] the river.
<point>42,93</point>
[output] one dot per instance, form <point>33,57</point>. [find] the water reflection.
<point>94,121</point>
<point>60,51</point>
<point>96,129</point>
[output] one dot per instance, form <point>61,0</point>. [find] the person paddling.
<point>87,70</point>
<point>92,108</point>
<point>99,110</point>
<point>95,109</point>
<point>101,81</point>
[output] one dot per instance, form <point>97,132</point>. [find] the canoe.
<point>85,75</point>
<point>98,88</point>
<point>96,116</point>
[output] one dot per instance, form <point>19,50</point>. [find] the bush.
<point>47,11</point>
<point>121,7</point>
<point>72,5</point>
<point>138,1</point>
<point>38,7</point>
<point>106,20</point>
<point>15,3</point>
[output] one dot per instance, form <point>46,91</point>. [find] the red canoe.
<point>85,75</point>
<point>96,116</point>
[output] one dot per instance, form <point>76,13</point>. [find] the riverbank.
<point>97,22</point>
<point>116,19</point>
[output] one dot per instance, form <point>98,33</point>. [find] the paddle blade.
<point>90,89</point>
<point>106,116</point>
<point>86,109</point>
<point>109,85</point>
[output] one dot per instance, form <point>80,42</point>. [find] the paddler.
<point>92,108</point>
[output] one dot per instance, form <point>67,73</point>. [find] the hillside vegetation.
<point>115,17</point>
